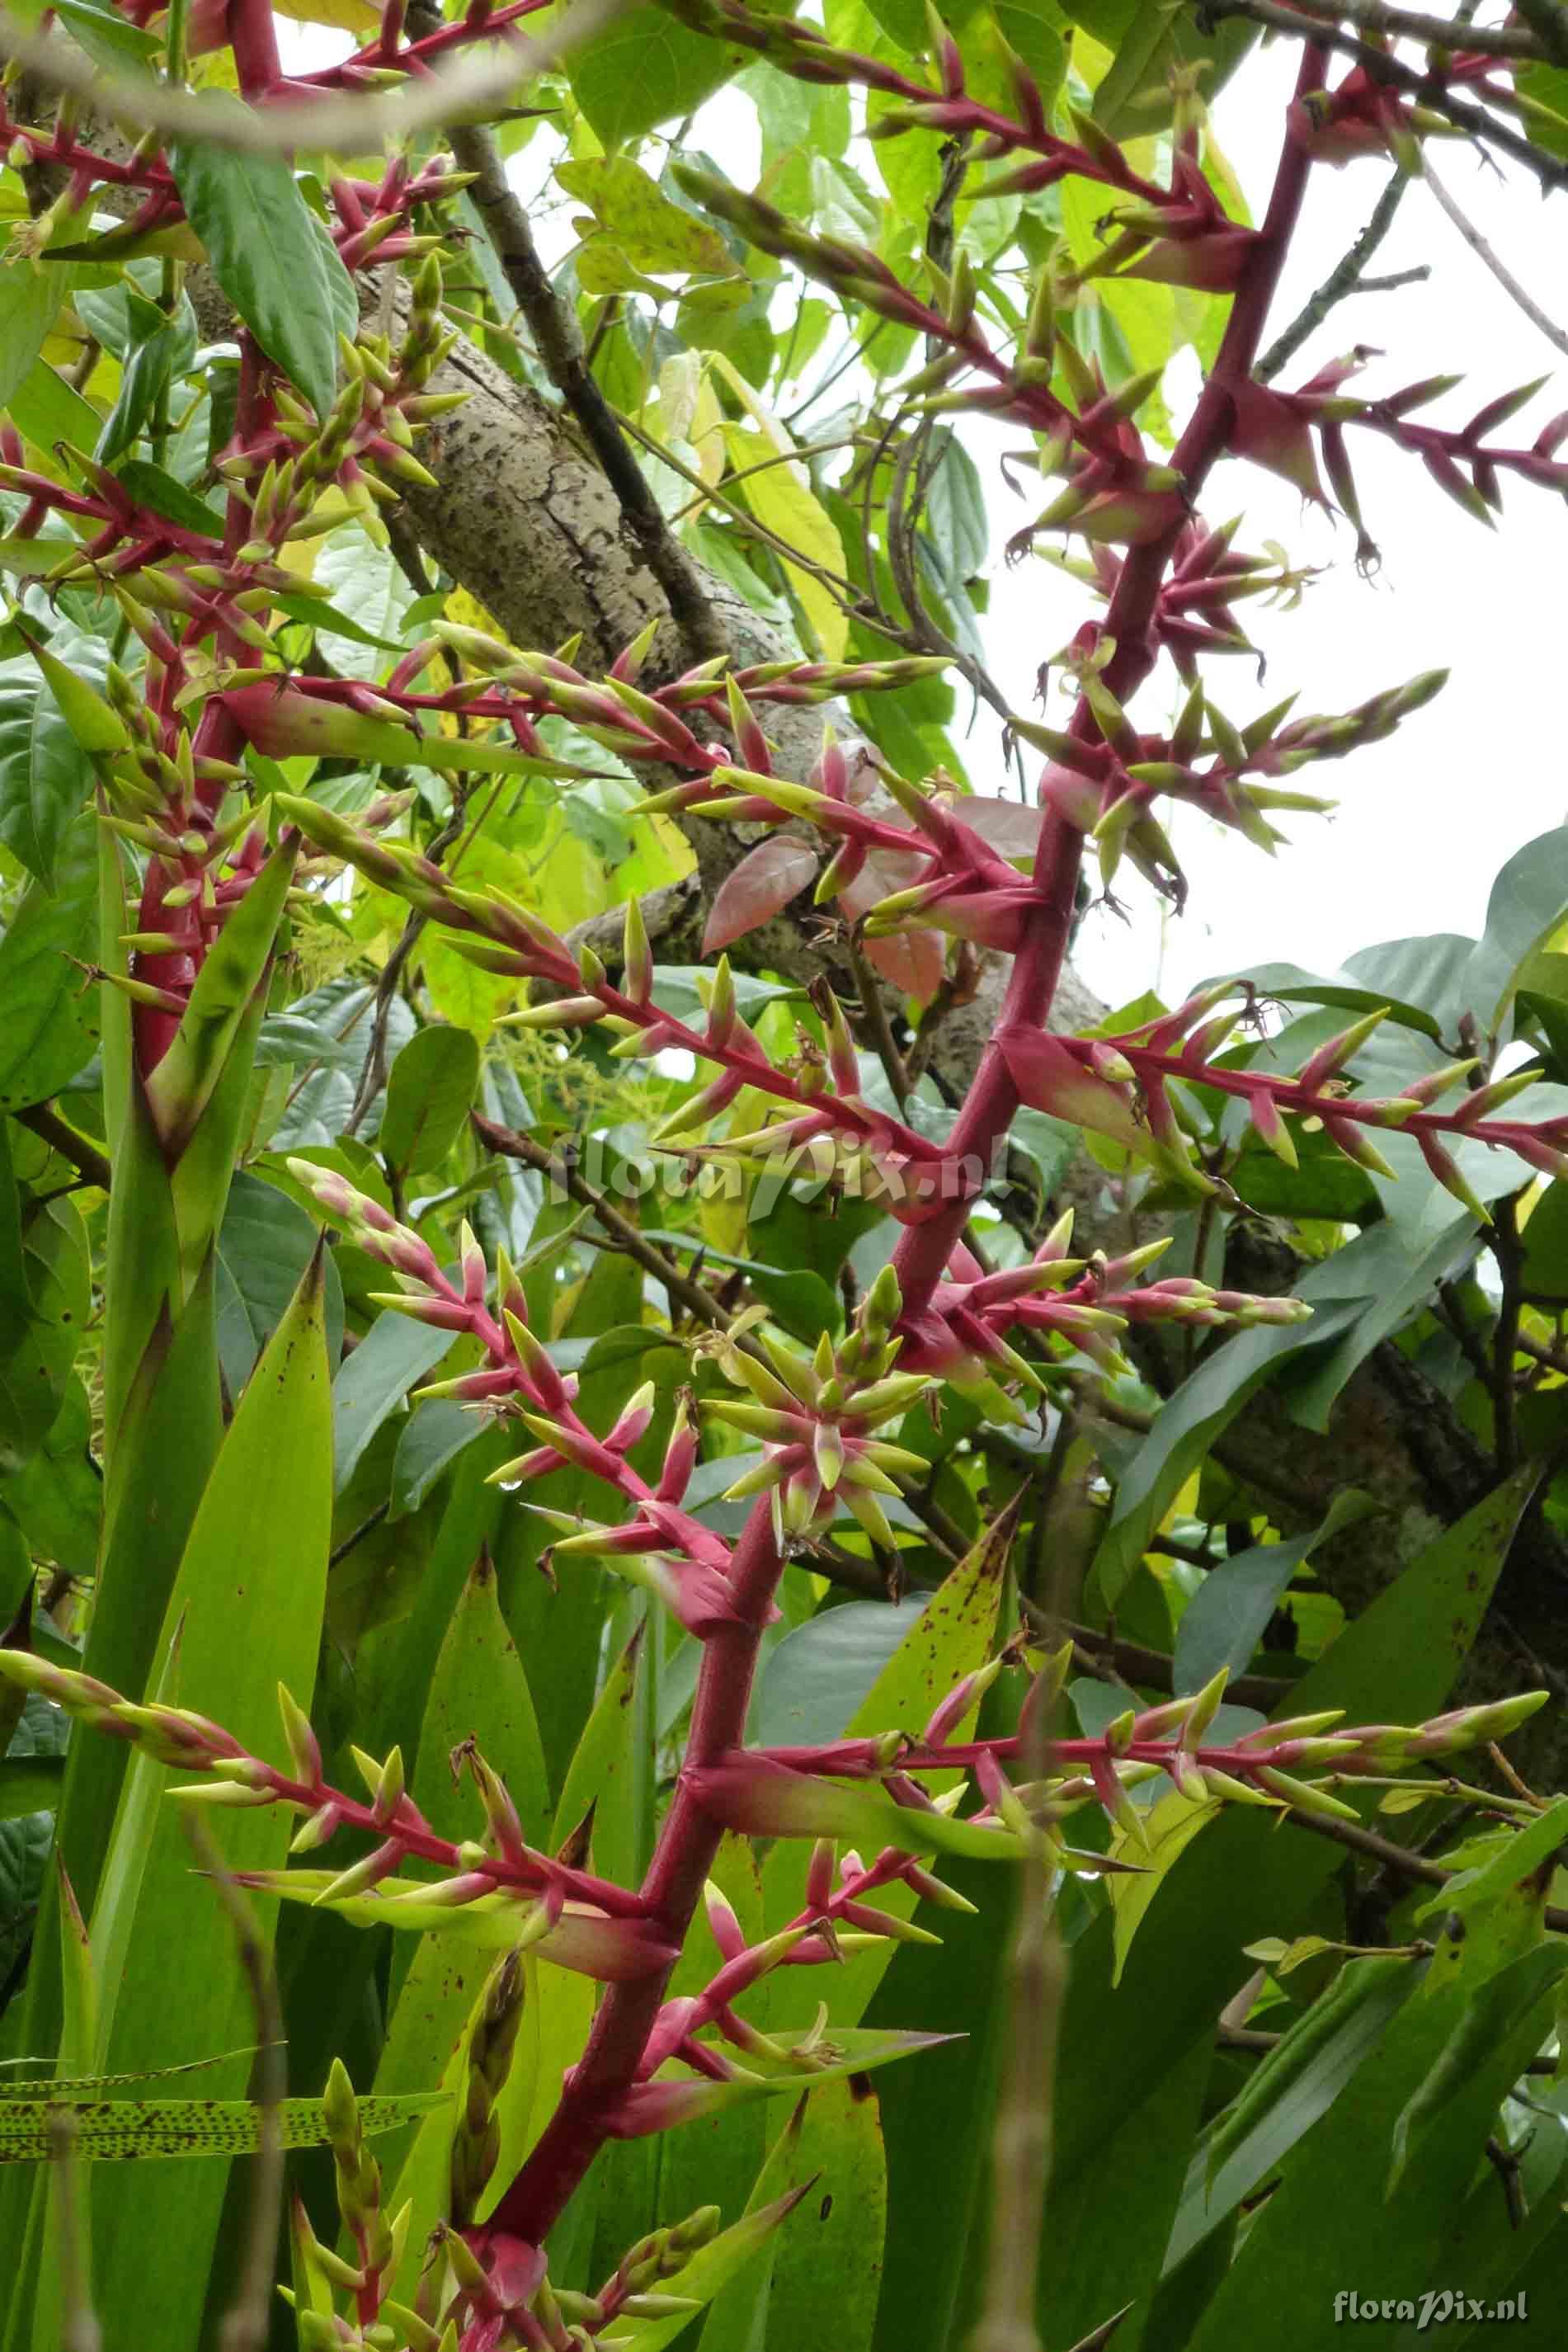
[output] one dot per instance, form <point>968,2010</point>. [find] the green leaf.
<point>827,2270</point>
<point>51,1011</point>
<point>642,223</point>
<point>1192,1419</point>
<point>642,69</point>
<point>429,1093</point>
<point>284,281</point>
<point>121,2129</point>
<point>45,775</point>
<point>818,1677</point>
<point>1529,900</point>
<point>1223,1623</point>
<point>1246,1876</point>
<point>150,486</point>
<point>29,1784</point>
<point>952,1636</point>
<point>30,297</point>
<point>394,1353</point>
<point>263,1247</point>
<point>1297,2082</point>
<point>245,1615</point>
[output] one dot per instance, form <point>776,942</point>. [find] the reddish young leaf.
<point>767,879</point>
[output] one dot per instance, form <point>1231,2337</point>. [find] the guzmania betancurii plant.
<point>710,1431</point>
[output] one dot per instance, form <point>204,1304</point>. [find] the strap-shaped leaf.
<point>116,2130</point>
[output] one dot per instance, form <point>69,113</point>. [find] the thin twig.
<point>1345,278</point>
<point>1398,1858</point>
<point>1494,262</point>
<point>1431,88</point>
<point>1435,32</point>
<point>84,1157</point>
<point>468,89</point>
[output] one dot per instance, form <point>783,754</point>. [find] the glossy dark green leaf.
<point>392,1357</point>
<point>46,778</point>
<point>263,1247</point>
<point>282,276</point>
<point>429,1094</point>
<point>51,1007</point>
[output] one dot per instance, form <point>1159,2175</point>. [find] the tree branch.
<point>558,342</point>
<point>1495,263</point>
<point>1341,280</point>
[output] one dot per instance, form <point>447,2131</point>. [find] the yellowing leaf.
<point>783,502</point>
<point>343,16</point>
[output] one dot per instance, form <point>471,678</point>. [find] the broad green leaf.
<point>280,275</point>
<point>479,1691</point>
<point>247,1606</point>
<point>1529,900</point>
<point>1223,1623</point>
<point>1297,2082</point>
<point>29,1784</point>
<point>30,297</point>
<point>44,776</point>
<point>429,1093</point>
<point>642,69</point>
<point>433,1435</point>
<point>263,1247</point>
<point>818,1677</point>
<point>1191,1421</point>
<point>826,2268</point>
<point>1248,1876</point>
<point>952,1636</point>
<point>393,1356</point>
<point>1290,2268</point>
<point>122,2130</point>
<point>642,223</point>
<point>51,1013</point>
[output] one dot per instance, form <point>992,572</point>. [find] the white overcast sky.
<point>1427,818</point>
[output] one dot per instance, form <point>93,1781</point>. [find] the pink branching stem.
<point>923,1251</point>
<point>683,1859</point>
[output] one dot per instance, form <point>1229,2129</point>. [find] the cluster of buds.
<point>655,1544</point>
<point>1184,238</point>
<point>862,1146</point>
<point>1276,429</point>
<point>960,1335</point>
<point>476,2136</point>
<point>948,864</point>
<point>817,1417</point>
<point>373,217</point>
<point>803,1791</point>
<point>1207,576</point>
<point>378,2242</point>
<point>1115,491</point>
<point>1106,785</point>
<point>362,447</point>
<point>1119,1087</point>
<point>573,1918</point>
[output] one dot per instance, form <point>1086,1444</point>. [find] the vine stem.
<point>682,1860</point>
<point>923,1251</point>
